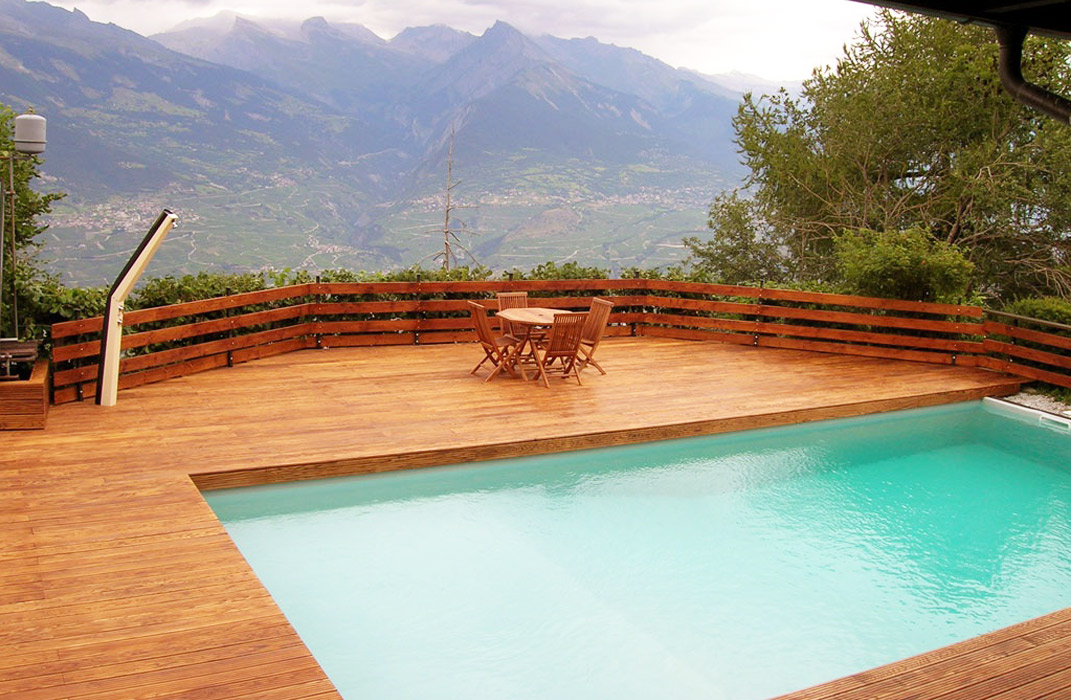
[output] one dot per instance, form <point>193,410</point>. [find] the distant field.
<point>532,215</point>
<point>592,233</point>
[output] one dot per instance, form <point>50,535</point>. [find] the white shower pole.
<point>112,332</point>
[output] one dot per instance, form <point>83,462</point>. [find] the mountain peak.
<point>504,39</point>
<point>317,27</point>
<point>221,23</point>
<point>436,43</point>
<point>320,27</point>
<point>502,31</point>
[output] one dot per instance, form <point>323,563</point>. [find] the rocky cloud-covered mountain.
<point>507,90</point>
<point>126,114</point>
<point>323,145</point>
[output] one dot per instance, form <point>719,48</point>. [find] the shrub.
<point>1052,309</point>
<point>908,264</point>
<point>47,301</point>
<point>162,291</point>
<point>676,273</point>
<point>568,271</point>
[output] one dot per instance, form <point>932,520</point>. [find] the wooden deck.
<point>117,581</point>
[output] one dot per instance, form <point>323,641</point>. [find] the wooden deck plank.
<point>117,581</point>
<point>916,672</point>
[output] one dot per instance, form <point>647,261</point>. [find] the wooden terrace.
<point>119,582</point>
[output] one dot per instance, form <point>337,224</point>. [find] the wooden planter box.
<point>24,404</point>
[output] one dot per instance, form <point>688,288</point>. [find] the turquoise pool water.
<point>734,566</point>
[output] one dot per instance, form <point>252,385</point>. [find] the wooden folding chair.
<point>593,331</point>
<point>562,344</point>
<point>511,300</point>
<point>497,349</point>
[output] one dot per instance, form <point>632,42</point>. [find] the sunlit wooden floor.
<point>117,581</point>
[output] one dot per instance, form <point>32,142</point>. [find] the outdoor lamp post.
<point>29,139</point>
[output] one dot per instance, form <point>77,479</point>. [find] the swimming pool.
<point>737,566</point>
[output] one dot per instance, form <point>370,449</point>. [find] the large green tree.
<point>22,272</point>
<point>911,129</point>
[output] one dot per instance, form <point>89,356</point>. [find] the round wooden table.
<point>530,318</point>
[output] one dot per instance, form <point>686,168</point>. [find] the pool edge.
<point>567,442</point>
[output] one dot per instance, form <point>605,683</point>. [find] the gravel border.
<point>1041,403</point>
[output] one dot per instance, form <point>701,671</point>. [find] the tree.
<point>742,252</point>
<point>912,130</point>
<point>22,281</point>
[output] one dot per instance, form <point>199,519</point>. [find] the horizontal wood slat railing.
<point>1028,352</point>
<point>172,341</point>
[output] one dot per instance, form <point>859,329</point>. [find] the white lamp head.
<point>30,133</point>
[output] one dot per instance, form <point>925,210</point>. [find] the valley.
<point>324,146</point>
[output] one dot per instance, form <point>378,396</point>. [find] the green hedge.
<point>1052,309</point>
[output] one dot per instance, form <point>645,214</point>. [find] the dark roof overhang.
<point>1012,20</point>
<point>1049,17</point>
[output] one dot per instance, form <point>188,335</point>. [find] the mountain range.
<point>321,145</point>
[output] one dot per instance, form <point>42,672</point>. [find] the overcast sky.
<point>776,39</point>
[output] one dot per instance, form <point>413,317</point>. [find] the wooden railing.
<point>180,339</point>
<point>1027,348</point>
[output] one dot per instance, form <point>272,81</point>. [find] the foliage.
<point>820,286</point>
<point>1052,309</point>
<point>43,300</point>
<point>161,291</point>
<point>410,274</point>
<point>907,264</point>
<point>22,272</point>
<point>51,302</point>
<point>47,301</point>
<point>463,273</point>
<point>744,249</point>
<point>331,276</point>
<point>676,273</point>
<point>912,130</point>
<point>568,271</point>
